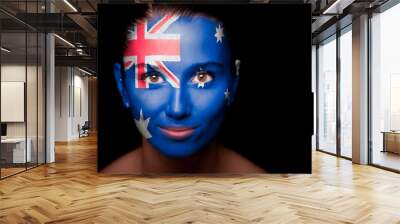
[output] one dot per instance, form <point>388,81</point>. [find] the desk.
<point>391,141</point>
<point>15,148</point>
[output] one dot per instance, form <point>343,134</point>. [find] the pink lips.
<point>177,133</point>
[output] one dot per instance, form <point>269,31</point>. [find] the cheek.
<point>150,101</point>
<point>208,105</point>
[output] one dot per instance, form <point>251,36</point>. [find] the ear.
<point>120,84</point>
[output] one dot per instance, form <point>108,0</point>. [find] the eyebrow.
<point>211,63</point>
<point>206,64</point>
<point>152,66</point>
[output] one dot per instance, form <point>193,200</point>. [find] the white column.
<point>50,93</point>
<point>360,90</point>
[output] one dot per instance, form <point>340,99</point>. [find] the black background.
<point>271,120</point>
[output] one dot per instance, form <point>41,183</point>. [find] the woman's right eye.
<point>154,78</point>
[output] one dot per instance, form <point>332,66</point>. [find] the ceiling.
<point>75,24</point>
<point>75,21</point>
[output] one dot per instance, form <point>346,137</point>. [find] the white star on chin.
<point>142,124</point>
<point>219,33</point>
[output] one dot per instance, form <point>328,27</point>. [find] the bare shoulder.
<point>233,162</point>
<point>126,164</point>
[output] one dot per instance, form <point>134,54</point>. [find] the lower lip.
<point>178,133</point>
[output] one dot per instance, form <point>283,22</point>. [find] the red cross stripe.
<point>152,47</point>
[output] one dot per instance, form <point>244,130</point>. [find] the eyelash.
<point>209,78</point>
<point>205,72</point>
<point>147,74</point>
<point>150,74</point>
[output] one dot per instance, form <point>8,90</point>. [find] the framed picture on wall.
<point>12,101</point>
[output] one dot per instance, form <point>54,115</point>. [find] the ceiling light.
<point>70,5</point>
<point>338,6</point>
<point>5,50</point>
<point>64,40</point>
<point>331,7</point>
<point>84,71</point>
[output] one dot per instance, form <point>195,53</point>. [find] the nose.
<point>178,106</point>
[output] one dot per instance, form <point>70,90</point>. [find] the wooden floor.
<point>10,171</point>
<point>71,191</point>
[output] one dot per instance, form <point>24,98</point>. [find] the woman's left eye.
<point>201,78</point>
<point>154,79</point>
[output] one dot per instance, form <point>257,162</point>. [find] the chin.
<point>178,150</point>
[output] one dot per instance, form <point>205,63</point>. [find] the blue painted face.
<point>177,81</point>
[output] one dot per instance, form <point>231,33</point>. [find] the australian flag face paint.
<point>177,80</point>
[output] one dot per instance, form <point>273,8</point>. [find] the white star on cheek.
<point>226,93</point>
<point>200,85</point>
<point>142,124</point>
<point>219,33</point>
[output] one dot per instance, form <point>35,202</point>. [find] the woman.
<point>178,77</point>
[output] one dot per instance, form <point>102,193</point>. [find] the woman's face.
<point>177,81</point>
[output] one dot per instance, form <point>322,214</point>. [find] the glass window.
<point>385,88</point>
<point>327,96</point>
<point>14,153</point>
<point>313,86</point>
<point>346,94</point>
<point>22,91</point>
<point>31,99</point>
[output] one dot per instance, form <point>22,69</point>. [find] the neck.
<point>205,161</point>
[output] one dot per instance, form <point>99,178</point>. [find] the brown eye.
<point>201,78</point>
<point>154,79</point>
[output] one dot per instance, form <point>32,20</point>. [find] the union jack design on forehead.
<point>152,47</point>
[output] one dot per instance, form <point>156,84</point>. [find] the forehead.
<point>198,42</point>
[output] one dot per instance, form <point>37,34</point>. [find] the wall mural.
<point>187,89</point>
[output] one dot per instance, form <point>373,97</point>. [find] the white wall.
<point>71,102</point>
<point>80,110</point>
<point>33,126</point>
<point>10,73</point>
<point>16,72</point>
<point>13,101</point>
<point>61,103</point>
